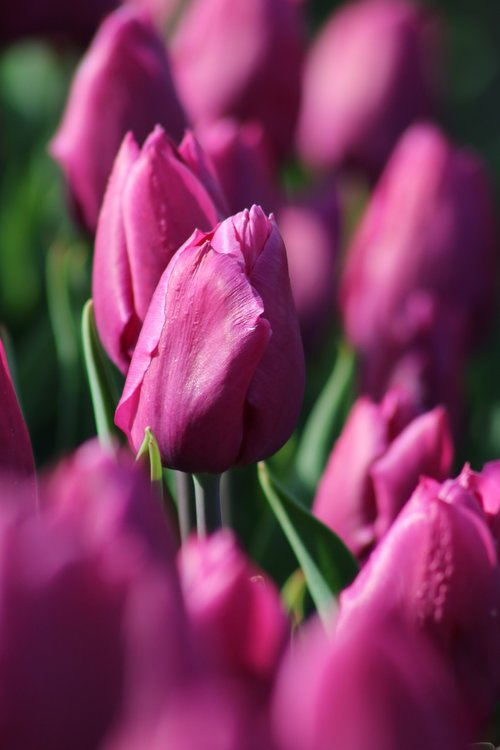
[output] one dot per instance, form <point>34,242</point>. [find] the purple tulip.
<point>218,370</point>
<point>368,76</point>
<point>382,688</point>
<point>156,197</point>
<point>232,58</point>
<point>437,568</point>
<point>123,83</point>
<point>375,466</point>
<point>233,607</point>
<point>16,458</point>
<point>419,277</point>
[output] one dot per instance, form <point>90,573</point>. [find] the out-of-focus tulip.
<point>310,227</point>
<point>367,78</point>
<point>56,18</point>
<point>375,466</point>
<point>123,83</point>
<point>243,164</point>
<point>241,59</point>
<point>93,631</point>
<point>218,369</point>
<point>437,568</point>
<point>156,197</point>
<point>16,457</point>
<point>235,609</point>
<point>380,687</point>
<point>419,277</point>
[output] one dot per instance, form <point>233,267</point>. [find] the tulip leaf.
<point>327,564</point>
<point>102,389</point>
<point>325,421</point>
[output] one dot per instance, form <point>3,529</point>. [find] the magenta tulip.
<point>16,458</point>
<point>368,76</point>
<point>123,83</point>
<point>156,197</point>
<point>233,58</point>
<point>383,688</point>
<point>234,608</point>
<point>218,369</point>
<point>375,466</point>
<point>437,568</point>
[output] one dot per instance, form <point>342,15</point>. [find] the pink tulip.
<point>16,458</point>
<point>234,608</point>
<point>123,83</point>
<point>232,58</point>
<point>437,569</point>
<point>218,370</point>
<point>375,466</point>
<point>156,197</point>
<point>368,76</point>
<point>380,687</point>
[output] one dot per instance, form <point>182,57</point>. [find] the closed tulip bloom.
<point>233,58</point>
<point>437,568</point>
<point>123,83</point>
<point>382,688</point>
<point>16,457</point>
<point>155,198</point>
<point>375,466</point>
<point>367,77</point>
<point>218,369</point>
<point>234,608</point>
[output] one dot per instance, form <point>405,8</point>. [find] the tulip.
<point>419,276</point>
<point>367,77</point>
<point>156,197</point>
<point>16,457</point>
<point>437,568</point>
<point>242,162</point>
<point>232,58</point>
<point>383,688</point>
<point>234,608</point>
<point>375,466</point>
<point>218,369</point>
<point>123,83</point>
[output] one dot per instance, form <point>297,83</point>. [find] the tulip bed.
<point>249,403</point>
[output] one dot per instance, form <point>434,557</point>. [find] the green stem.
<point>185,503</point>
<point>207,498</point>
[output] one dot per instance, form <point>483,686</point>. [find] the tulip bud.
<point>16,457</point>
<point>368,76</point>
<point>419,276</point>
<point>437,568</point>
<point>156,197</point>
<point>218,369</point>
<point>375,466</point>
<point>382,688</point>
<point>234,609</point>
<point>233,58</point>
<point>123,83</point>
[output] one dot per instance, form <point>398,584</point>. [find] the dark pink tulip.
<point>234,608</point>
<point>218,369</point>
<point>232,58</point>
<point>155,198</point>
<point>419,276</point>
<point>437,568</point>
<point>375,466</point>
<point>382,688</point>
<point>310,226</point>
<point>240,155</point>
<point>123,83</point>
<point>16,457</point>
<point>368,76</point>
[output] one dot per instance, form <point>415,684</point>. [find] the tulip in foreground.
<point>123,83</point>
<point>156,197</point>
<point>218,370</point>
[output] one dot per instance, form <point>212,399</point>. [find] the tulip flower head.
<point>218,369</point>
